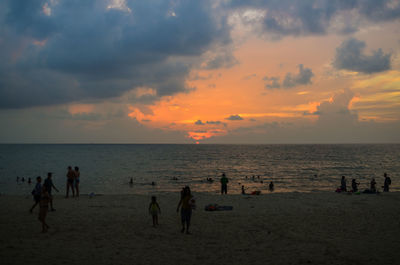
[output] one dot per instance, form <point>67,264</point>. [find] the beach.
<point>273,228</point>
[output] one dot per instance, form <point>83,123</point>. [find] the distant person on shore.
<point>271,186</point>
<point>44,207</point>
<point>48,184</point>
<point>70,182</point>
<point>387,183</point>
<point>243,190</point>
<point>29,181</point>
<point>23,179</point>
<point>185,204</point>
<point>343,184</point>
<point>354,185</point>
<point>154,210</point>
<point>224,184</point>
<point>77,176</point>
<point>373,185</point>
<point>131,181</point>
<point>37,192</point>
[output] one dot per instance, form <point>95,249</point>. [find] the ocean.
<point>108,168</point>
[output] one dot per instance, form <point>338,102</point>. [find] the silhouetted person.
<point>224,184</point>
<point>48,183</point>
<point>131,181</point>
<point>37,192</point>
<point>343,184</point>
<point>70,181</point>
<point>373,185</point>
<point>29,181</point>
<point>186,208</point>
<point>243,190</point>
<point>44,208</point>
<point>271,186</point>
<point>154,210</point>
<point>387,183</point>
<point>77,174</point>
<point>23,179</point>
<point>354,185</point>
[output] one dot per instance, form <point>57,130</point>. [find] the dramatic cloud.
<point>68,50</point>
<point>234,118</point>
<point>291,80</point>
<point>317,17</point>
<point>349,56</point>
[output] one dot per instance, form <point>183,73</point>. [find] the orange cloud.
<point>201,135</point>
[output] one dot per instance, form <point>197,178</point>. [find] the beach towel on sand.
<point>216,207</point>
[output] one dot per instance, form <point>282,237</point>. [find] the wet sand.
<point>277,228</point>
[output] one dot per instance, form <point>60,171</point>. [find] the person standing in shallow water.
<point>354,185</point>
<point>70,181</point>
<point>373,185</point>
<point>186,208</point>
<point>343,184</point>
<point>224,184</point>
<point>387,183</point>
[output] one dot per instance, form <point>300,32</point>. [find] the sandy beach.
<point>276,228</point>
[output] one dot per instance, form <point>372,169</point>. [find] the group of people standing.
<point>42,193</point>
<point>372,189</point>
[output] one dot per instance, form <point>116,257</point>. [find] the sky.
<point>188,71</point>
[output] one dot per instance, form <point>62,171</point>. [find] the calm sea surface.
<point>107,169</point>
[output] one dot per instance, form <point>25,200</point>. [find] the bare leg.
<point>67,190</point>
<point>34,205</point>
<point>51,203</point>
<point>77,189</point>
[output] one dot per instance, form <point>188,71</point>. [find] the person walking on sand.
<point>224,184</point>
<point>387,183</point>
<point>186,208</point>
<point>37,191</point>
<point>154,210</point>
<point>70,182</point>
<point>76,183</point>
<point>44,207</point>
<point>343,184</point>
<point>48,184</point>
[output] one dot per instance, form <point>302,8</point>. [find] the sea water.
<point>107,169</point>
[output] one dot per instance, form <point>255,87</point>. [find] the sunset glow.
<point>233,77</point>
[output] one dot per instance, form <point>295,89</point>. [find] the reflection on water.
<point>108,168</point>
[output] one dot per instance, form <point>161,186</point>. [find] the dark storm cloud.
<point>234,118</point>
<point>350,56</point>
<point>291,80</point>
<point>315,17</point>
<point>82,50</point>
